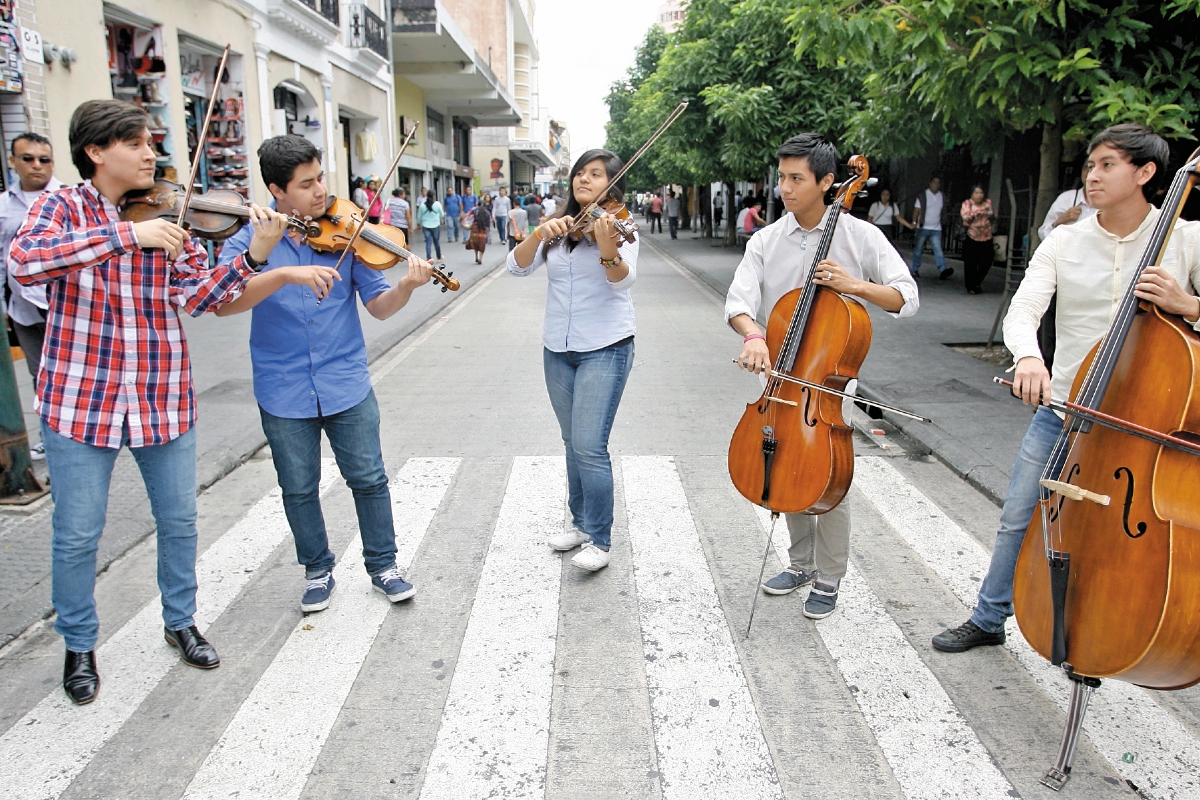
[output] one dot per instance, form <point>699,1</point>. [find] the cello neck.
<point>800,316</point>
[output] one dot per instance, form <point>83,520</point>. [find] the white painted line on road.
<point>932,750</point>
<point>1121,719</point>
<point>706,729</point>
<point>381,372</point>
<point>43,752</point>
<point>272,743</point>
<point>496,725</point>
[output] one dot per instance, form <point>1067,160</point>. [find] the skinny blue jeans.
<point>296,450</point>
<point>79,480</point>
<point>995,603</point>
<point>585,390</point>
<point>433,238</point>
<point>935,241</point>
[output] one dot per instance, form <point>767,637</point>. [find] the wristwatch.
<point>252,264</point>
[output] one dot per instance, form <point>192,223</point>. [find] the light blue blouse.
<point>584,310</point>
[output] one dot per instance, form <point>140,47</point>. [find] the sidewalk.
<point>977,426</point>
<point>228,432</point>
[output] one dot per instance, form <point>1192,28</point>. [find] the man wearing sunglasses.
<point>33,162</point>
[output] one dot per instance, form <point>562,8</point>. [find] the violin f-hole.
<point>1129,485</point>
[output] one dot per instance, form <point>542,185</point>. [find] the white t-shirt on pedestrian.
<point>932,220</point>
<point>882,215</point>
<point>398,212</point>
<point>549,206</point>
<point>741,219</point>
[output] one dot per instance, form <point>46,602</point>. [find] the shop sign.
<point>463,171</point>
<point>31,46</point>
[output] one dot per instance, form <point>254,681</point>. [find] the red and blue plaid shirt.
<point>115,354</point>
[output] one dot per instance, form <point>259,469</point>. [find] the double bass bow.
<point>1107,582</point>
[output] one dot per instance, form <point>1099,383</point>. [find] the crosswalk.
<point>709,729</point>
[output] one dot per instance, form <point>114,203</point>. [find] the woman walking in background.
<point>978,252</point>
<point>374,202</point>
<point>884,214</point>
<point>429,218</point>
<point>480,228</point>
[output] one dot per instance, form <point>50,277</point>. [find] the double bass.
<point>1107,583</point>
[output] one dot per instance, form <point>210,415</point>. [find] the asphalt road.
<point>512,675</point>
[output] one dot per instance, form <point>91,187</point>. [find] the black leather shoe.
<point>964,637</point>
<point>194,648</point>
<point>80,680</point>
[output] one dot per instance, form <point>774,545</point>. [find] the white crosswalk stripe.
<point>496,724</point>
<point>270,746</point>
<point>1121,719</point>
<point>42,753</point>
<point>706,728</point>
<point>932,750</point>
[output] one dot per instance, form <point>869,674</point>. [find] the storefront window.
<point>224,160</point>
<point>138,69</point>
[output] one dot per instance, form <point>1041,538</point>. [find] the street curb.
<point>32,607</point>
<point>961,459</point>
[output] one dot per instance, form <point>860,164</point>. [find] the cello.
<point>1107,582</point>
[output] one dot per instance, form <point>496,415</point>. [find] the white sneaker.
<point>591,558</point>
<point>38,452</point>
<point>568,540</point>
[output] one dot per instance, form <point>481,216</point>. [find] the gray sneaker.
<point>787,581</point>
<point>822,600</point>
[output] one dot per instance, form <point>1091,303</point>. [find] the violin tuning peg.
<point>450,274</point>
<point>444,289</point>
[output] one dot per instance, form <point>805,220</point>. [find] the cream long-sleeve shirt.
<point>778,258</point>
<point>1090,269</point>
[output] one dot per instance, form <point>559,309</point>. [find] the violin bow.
<point>387,177</point>
<point>587,210</point>
<point>200,139</point>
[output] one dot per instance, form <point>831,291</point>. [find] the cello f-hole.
<point>809,420</point>
<point>1129,485</point>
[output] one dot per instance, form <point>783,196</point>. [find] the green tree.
<point>975,71</point>
<point>622,131</point>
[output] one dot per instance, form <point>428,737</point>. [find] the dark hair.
<point>429,200</point>
<point>30,136</point>
<point>612,165</point>
<point>397,192</point>
<point>101,123</point>
<point>821,154</point>
<point>1141,146</point>
<point>980,187</point>
<point>279,156</point>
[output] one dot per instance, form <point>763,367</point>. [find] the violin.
<point>215,215</point>
<point>622,221</point>
<point>377,245</point>
<point>792,451</point>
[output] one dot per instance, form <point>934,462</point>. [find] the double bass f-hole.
<point>1129,485</point>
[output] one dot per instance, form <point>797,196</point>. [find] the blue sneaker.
<point>787,581</point>
<point>391,583</point>
<point>317,592</point>
<point>822,600</point>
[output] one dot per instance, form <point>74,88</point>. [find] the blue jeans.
<point>585,390</point>
<point>502,228</point>
<point>452,223</point>
<point>995,603</point>
<point>935,240</point>
<point>672,226</point>
<point>79,481</point>
<point>296,449</point>
<point>433,238</point>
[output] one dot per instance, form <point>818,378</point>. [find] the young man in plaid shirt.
<point>115,370</point>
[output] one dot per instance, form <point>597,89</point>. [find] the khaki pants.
<point>821,541</point>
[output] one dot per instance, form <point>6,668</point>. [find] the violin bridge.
<point>772,399</point>
<point>1073,492</point>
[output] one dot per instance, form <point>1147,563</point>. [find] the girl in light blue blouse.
<point>587,339</point>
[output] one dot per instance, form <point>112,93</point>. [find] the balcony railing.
<point>368,30</point>
<point>326,8</point>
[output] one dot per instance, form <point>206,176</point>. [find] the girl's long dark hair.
<point>572,207</point>
<point>429,200</point>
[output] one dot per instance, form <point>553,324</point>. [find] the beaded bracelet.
<point>610,263</point>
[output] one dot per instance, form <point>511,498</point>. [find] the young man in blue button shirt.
<point>453,206</point>
<point>310,374</point>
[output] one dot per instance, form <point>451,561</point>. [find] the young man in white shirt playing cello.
<point>861,263</point>
<point>1088,264</point>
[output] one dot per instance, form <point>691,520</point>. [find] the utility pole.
<point>18,485</point>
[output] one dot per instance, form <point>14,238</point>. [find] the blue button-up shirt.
<point>584,310</point>
<point>453,204</point>
<point>309,359</point>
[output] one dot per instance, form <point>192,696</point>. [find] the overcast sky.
<point>583,48</point>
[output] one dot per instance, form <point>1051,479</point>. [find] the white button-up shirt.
<point>778,258</point>
<point>25,303</point>
<point>1061,205</point>
<point>584,310</point>
<point>1090,269</point>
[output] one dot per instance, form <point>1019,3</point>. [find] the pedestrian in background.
<point>358,193</point>
<point>1068,208</point>
<point>884,214</point>
<point>374,201</point>
<point>501,208</point>
<point>469,200</point>
<point>978,252</point>
<point>656,208</point>
<point>116,290</point>
<point>400,213</point>
<point>533,209</point>
<point>518,226</point>
<point>429,217</point>
<point>481,230</point>
<point>587,347</point>
<point>673,215</point>
<point>33,162</point>
<point>453,209</point>
<point>310,372</point>
<point>549,205</point>
<point>927,217</point>
<point>718,204</point>
<point>753,222</point>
